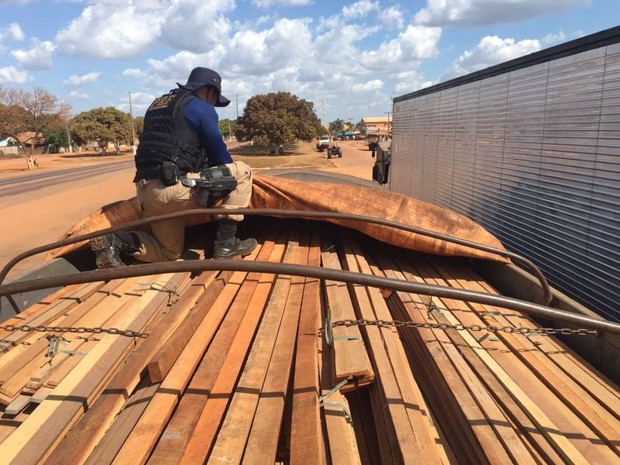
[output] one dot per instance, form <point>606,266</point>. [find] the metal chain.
<point>156,286</point>
<point>360,322</point>
<point>69,329</point>
<point>461,327</point>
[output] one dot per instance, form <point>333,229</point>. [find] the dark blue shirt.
<point>202,118</point>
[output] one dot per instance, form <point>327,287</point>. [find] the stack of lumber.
<point>236,369</point>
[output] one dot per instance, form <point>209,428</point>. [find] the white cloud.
<point>410,81</point>
<point>287,43</point>
<point>375,84</point>
<point>11,75</point>
<point>392,18</point>
<point>472,13</point>
<point>79,95</point>
<point>196,25</point>
<point>552,39</point>
<point>360,9</point>
<point>412,45</point>
<point>132,72</point>
<point>490,51</point>
<point>76,81</point>
<point>162,75</point>
<point>12,32</point>
<point>113,29</point>
<point>270,3</point>
<point>39,57</point>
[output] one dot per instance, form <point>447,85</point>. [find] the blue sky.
<point>348,58</point>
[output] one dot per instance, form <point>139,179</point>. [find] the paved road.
<point>37,180</point>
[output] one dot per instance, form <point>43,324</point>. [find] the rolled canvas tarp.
<point>291,194</point>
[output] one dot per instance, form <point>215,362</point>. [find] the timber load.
<point>263,367</point>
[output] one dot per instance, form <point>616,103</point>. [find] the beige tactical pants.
<point>167,239</point>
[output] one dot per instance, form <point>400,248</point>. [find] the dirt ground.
<point>40,216</point>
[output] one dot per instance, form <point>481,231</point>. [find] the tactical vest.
<point>167,136</point>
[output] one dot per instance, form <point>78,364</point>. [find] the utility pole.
<point>133,132</point>
<point>237,103</point>
<point>69,138</point>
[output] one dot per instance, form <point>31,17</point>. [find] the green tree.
<point>227,127</point>
<point>104,126</point>
<point>336,126</point>
<point>277,118</point>
<point>56,138</point>
<point>138,125</point>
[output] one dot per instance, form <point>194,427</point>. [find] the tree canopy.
<point>35,111</point>
<point>277,118</point>
<point>103,125</point>
<point>227,127</point>
<point>336,126</point>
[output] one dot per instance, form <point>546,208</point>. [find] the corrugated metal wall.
<point>531,153</point>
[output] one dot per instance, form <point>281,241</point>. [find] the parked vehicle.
<point>322,143</point>
<point>333,151</point>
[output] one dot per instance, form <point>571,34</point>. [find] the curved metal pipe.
<point>286,213</point>
<point>311,272</point>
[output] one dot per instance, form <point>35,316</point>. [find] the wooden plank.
<point>36,438</point>
<point>555,433</point>
<point>417,311</point>
<point>82,439</point>
<point>350,357</point>
<point>31,343</point>
<point>148,429</point>
<point>591,380</point>
<point>114,438</point>
<point>488,423</point>
<point>306,430</point>
<point>571,394</point>
<point>17,405</point>
<point>212,414</point>
<point>262,443</point>
<point>364,424</point>
<point>45,312</point>
<point>340,435</point>
<point>171,444</point>
<point>409,412</point>
<point>232,437</point>
<point>555,397</point>
<point>20,369</point>
<point>27,316</point>
<point>9,423</point>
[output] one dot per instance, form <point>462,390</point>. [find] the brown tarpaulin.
<point>277,192</point>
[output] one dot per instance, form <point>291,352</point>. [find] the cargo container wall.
<point>531,150</point>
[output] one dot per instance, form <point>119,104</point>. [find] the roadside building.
<point>374,124</point>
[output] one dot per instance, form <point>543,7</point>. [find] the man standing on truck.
<point>181,142</point>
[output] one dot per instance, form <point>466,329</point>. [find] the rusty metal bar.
<point>533,309</point>
<point>273,212</point>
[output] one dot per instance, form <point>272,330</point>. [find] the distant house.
<point>374,124</point>
<point>8,142</point>
<point>8,146</point>
<point>31,139</point>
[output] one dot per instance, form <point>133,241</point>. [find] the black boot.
<point>108,248</point>
<point>227,245</point>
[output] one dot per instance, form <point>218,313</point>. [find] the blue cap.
<point>200,77</point>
